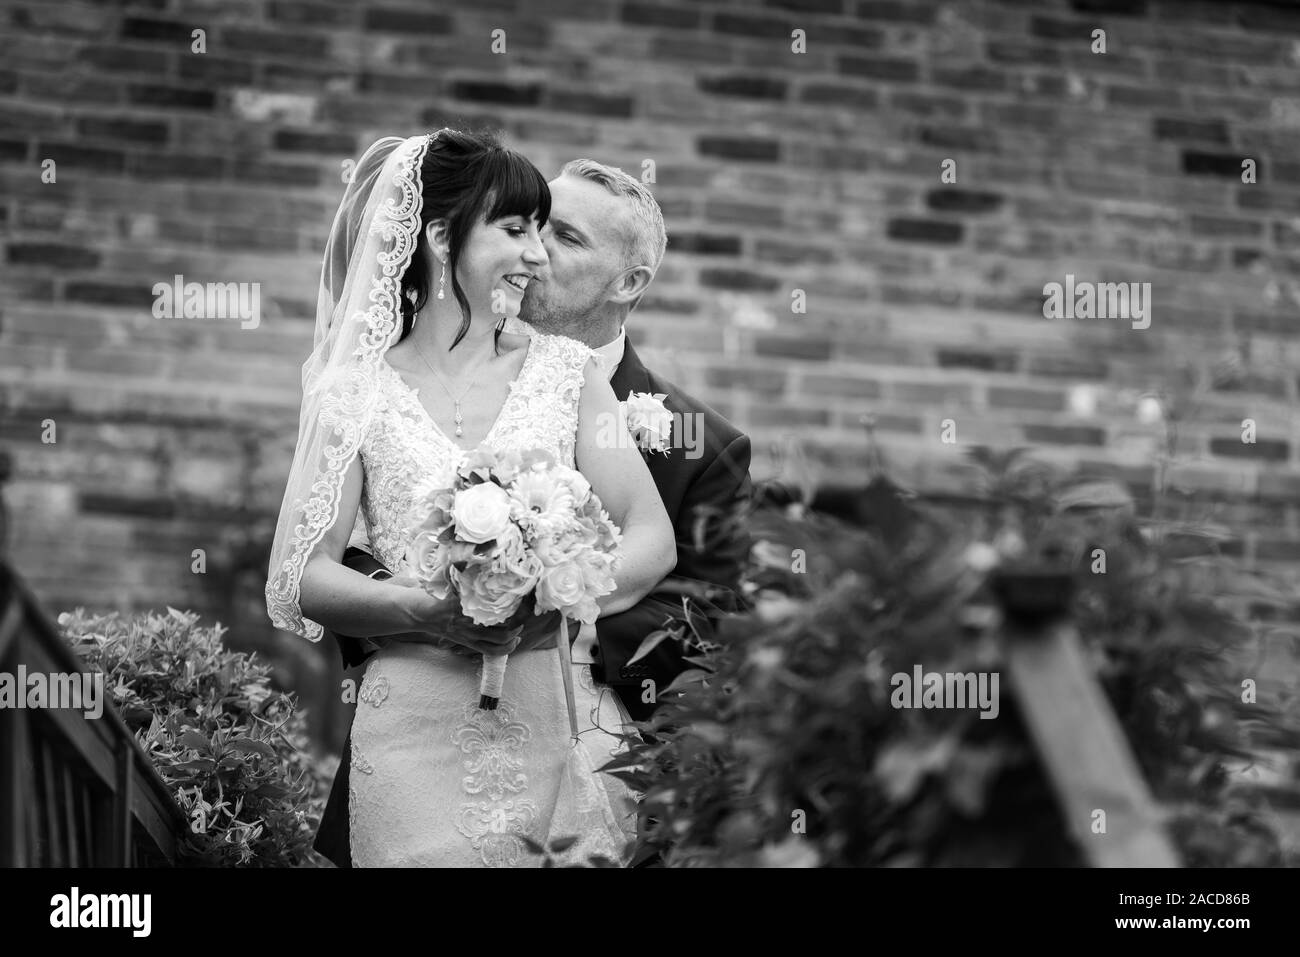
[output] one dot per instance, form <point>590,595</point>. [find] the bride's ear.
<point>438,235</point>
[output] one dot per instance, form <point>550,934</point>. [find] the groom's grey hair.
<point>649,237</point>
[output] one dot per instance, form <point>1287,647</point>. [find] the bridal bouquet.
<point>509,527</point>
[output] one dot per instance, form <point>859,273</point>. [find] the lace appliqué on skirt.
<point>492,743</point>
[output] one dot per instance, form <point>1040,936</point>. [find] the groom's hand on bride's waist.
<point>540,631</point>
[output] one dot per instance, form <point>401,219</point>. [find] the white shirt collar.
<point>611,353</point>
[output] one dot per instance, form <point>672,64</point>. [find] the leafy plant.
<point>233,751</point>
<point>783,747</point>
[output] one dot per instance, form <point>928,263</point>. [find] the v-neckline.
<point>510,394</point>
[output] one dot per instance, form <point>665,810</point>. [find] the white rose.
<point>482,512</point>
<point>649,420</point>
<point>561,586</point>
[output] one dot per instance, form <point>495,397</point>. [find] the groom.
<point>605,240</point>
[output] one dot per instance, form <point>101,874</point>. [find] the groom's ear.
<point>438,235</point>
<point>631,284</point>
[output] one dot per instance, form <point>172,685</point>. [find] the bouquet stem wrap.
<point>494,677</point>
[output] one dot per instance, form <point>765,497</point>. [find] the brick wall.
<point>778,171</point>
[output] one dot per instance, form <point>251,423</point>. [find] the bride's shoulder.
<point>570,350</point>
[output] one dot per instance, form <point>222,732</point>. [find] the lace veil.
<point>371,243</point>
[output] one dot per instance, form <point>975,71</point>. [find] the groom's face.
<point>584,240</point>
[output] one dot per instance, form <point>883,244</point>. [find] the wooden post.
<point>1084,750</point>
<point>122,799</point>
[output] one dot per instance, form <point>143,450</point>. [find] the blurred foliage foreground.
<point>781,747</point>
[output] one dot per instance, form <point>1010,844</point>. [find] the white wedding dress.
<point>435,781</point>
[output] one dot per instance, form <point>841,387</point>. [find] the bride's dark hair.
<point>465,178</point>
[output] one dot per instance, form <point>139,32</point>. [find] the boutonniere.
<point>648,420</point>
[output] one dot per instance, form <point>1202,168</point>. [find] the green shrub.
<point>783,747</point>
<point>233,751</point>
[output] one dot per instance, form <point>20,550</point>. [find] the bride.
<point>431,250</point>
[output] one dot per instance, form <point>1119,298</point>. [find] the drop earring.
<point>442,281</point>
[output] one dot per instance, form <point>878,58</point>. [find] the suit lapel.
<point>668,471</point>
<point>630,376</point>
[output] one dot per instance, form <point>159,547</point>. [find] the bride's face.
<point>499,260</point>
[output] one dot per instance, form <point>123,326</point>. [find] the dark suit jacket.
<point>717,477</point>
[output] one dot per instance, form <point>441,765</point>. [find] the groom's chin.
<point>531,316</point>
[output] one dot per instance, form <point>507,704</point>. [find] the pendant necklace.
<point>437,378</point>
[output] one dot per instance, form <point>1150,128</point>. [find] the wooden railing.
<point>74,791</point>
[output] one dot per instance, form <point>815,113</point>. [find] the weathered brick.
<point>738,279</point>
<point>304,141</point>
<point>121,128</point>
<point>929,105</point>
<point>839,94</point>
<point>255,171</point>
<point>112,59</point>
<point>970,139</point>
<point>400,20</point>
<point>1064,434</point>
<point>931,393</point>
<point>786,415</point>
<point>747,25</point>
<point>589,104</point>
<point>973,359</point>
<point>1005,397</point>
<point>661,15</point>
<point>745,86</point>
<point>54,255</point>
<point>793,347</point>
<point>68,156</point>
<point>704,244</point>
<point>294,44</point>
<point>770,382</point>
<point>152,28</point>
<point>176,166</point>
<point>896,11</point>
<point>1132,8</point>
<point>1123,94</point>
<point>170,96</point>
<point>924,231</point>
<point>1266,450</point>
<point>511,94</point>
<point>963,200</point>
<point>210,68</point>
<point>968,78</point>
<point>1225,227</point>
<point>311,14</point>
<point>111,294</point>
<point>773,250</point>
<point>881,68</point>
<point>808,6</point>
<point>748,149</point>
<point>842,386</point>
<point>1177,128</point>
<point>1199,163</point>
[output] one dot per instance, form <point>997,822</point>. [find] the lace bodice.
<point>404,447</point>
